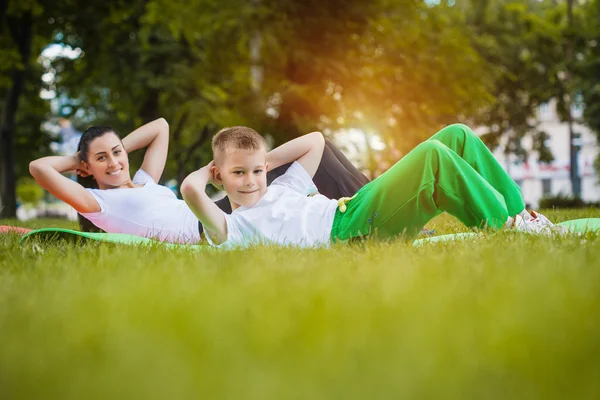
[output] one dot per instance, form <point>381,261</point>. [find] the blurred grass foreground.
<point>510,316</point>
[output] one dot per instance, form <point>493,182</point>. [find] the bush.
<point>562,200</point>
<point>28,191</point>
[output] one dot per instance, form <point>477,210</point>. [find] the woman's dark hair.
<point>88,136</point>
<point>91,133</point>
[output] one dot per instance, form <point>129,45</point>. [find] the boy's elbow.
<point>218,234</point>
<point>187,188</point>
<point>319,138</point>
<point>219,239</point>
<point>191,190</point>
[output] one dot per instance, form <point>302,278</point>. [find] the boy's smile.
<point>243,174</point>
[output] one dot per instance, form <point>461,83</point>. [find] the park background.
<point>377,77</point>
<point>506,316</point>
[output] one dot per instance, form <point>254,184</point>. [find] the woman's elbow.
<point>34,168</point>
<point>164,125</point>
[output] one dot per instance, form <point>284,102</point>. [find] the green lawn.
<point>509,316</point>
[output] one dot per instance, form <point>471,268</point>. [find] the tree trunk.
<point>149,109</point>
<point>574,172</point>
<point>21,30</point>
<point>183,158</point>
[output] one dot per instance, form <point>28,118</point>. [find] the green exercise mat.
<point>582,225</point>
<point>446,238</point>
<point>70,235</point>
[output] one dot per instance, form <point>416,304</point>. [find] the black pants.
<point>336,176</point>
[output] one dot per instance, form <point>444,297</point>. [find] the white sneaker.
<point>542,217</point>
<point>539,225</point>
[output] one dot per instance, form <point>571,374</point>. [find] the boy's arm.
<point>193,190</point>
<point>307,150</point>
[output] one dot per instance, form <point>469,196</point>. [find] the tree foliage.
<point>398,68</point>
<point>23,33</point>
<point>588,68</point>
<point>522,43</point>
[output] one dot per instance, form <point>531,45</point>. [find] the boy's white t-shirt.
<point>285,215</point>
<point>151,211</point>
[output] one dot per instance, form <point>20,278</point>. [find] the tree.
<point>134,67</point>
<point>587,69</point>
<point>570,47</point>
<point>420,72</point>
<point>399,68</point>
<point>22,35</point>
<point>522,43</point>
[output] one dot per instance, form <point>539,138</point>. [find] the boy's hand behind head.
<point>208,173</point>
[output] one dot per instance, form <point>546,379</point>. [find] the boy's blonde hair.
<point>236,138</point>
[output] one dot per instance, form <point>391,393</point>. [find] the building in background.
<point>537,179</point>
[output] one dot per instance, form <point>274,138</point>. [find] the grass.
<point>510,316</point>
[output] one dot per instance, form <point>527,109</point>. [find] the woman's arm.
<point>307,150</point>
<point>47,172</point>
<point>155,136</point>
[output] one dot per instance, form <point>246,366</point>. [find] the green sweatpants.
<point>453,171</point>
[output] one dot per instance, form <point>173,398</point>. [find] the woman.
<point>138,205</point>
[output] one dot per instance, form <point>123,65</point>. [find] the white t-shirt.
<point>284,215</point>
<point>151,211</point>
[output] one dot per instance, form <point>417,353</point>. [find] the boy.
<point>453,171</point>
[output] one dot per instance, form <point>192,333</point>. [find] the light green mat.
<point>582,225</point>
<point>55,234</point>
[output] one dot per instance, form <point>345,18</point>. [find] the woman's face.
<point>108,161</point>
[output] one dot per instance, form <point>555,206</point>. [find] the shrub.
<point>562,200</point>
<point>28,191</point>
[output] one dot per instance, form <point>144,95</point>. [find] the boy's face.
<point>243,174</point>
